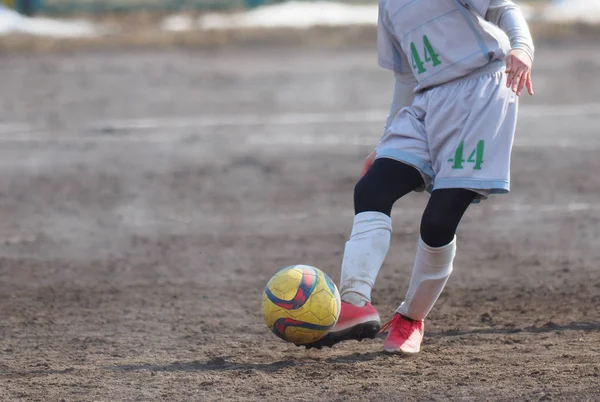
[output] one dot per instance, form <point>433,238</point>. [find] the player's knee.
<point>386,182</point>
<point>443,214</point>
<point>438,227</point>
<point>369,196</point>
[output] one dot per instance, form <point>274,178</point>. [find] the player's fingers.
<point>368,163</point>
<point>530,85</point>
<point>509,77</point>
<point>516,80</point>
<point>366,168</point>
<point>522,82</point>
<point>509,80</point>
<point>509,64</point>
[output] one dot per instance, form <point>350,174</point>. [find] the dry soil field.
<point>146,198</point>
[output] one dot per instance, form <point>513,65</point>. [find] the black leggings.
<point>389,180</point>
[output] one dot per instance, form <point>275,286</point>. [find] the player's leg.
<point>374,195</point>
<point>471,126</point>
<point>432,267</point>
<point>402,165</point>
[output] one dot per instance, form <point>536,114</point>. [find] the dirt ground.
<point>147,197</point>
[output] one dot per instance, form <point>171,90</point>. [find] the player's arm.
<point>508,16</point>
<point>391,57</point>
<point>404,85</point>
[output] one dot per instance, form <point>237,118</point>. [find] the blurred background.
<point>71,6</point>
<point>122,13</point>
<point>66,7</point>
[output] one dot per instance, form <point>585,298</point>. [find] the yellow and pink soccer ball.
<point>301,304</point>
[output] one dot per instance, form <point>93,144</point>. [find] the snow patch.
<point>303,14</point>
<point>573,11</point>
<point>294,14</point>
<point>178,23</point>
<point>13,22</point>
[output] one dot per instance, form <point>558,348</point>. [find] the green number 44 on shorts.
<point>476,156</point>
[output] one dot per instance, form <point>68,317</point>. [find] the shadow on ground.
<point>548,327</point>
<point>215,364</point>
<point>223,363</point>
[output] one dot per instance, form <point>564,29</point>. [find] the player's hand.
<point>518,69</point>
<point>368,162</point>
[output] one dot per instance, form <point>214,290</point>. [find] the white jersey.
<point>439,40</point>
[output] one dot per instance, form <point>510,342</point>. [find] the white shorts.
<point>459,134</point>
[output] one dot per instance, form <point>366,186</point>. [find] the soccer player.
<point>459,68</point>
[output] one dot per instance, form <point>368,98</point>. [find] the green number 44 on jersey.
<point>476,156</point>
<point>429,55</point>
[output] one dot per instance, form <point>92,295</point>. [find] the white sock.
<point>433,266</point>
<point>363,255</point>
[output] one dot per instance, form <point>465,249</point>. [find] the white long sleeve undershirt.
<point>403,94</point>
<point>503,13</point>
<point>510,19</point>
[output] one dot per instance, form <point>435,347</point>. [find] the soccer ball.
<point>301,304</point>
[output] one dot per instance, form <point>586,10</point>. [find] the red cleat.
<point>404,335</point>
<point>354,323</point>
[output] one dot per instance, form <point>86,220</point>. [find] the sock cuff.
<point>369,221</point>
<point>437,250</point>
<point>437,257</point>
